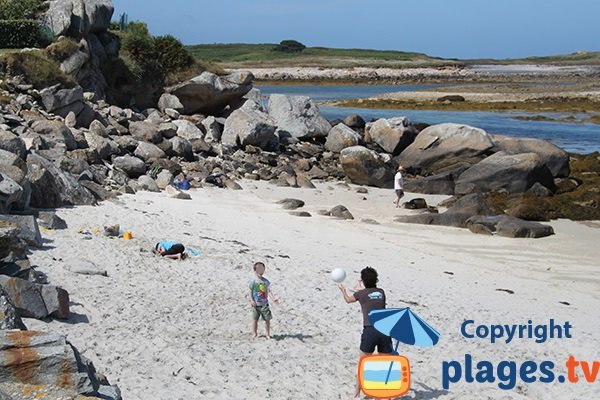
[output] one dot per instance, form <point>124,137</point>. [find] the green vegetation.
<point>35,67</point>
<point>62,49</point>
<point>19,26</point>
<point>263,54</point>
<point>146,64</point>
<point>21,9</point>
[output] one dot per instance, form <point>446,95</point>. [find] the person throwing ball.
<point>370,298</point>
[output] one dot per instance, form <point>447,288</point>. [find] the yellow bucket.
<point>127,236</point>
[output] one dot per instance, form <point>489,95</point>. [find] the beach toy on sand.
<point>338,275</point>
<point>128,235</point>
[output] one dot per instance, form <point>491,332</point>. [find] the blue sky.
<point>443,28</point>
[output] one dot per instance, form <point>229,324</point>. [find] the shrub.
<point>289,46</point>
<point>24,33</point>
<point>154,58</point>
<point>171,54</point>
<point>37,69</point>
<point>21,9</point>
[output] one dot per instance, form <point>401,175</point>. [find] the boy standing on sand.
<point>260,289</point>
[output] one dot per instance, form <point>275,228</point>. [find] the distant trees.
<point>289,46</point>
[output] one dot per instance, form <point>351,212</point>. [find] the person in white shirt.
<point>399,186</point>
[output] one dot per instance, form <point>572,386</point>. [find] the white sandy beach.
<point>164,329</point>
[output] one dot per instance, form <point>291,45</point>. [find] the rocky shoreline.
<point>444,74</point>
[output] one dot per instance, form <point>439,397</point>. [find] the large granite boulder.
<point>63,101</point>
<point>182,148</point>
<point>10,193</point>
<point>442,183</point>
<point>393,135</point>
<point>366,167</point>
<point>57,131</point>
<point>9,319</point>
<point>188,130</point>
<point>209,93</point>
<point>453,219</point>
<point>555,158</point>
<point>147,151</point>
<point>474,204</point>
<point>38,365</point>
<point>101,145</point>
<point>12,159</point>
<point>12,143</point>
<point>504,225</point>
<point>29,230</point>
<point>145,131</point>
<point>78,17</point>
<point>444,147</point>
<point>213,129</point>
<point>298,116</point>
<point>340,137</point>
<point>132,166</point>
<point>35,300</point>
<point>250,126</point>
<point>12,248</point>
<point>52,187</point>
<point>147,183</point>
<point>501,171</point>
<point>168,101</point>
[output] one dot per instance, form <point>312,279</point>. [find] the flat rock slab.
<point>83,267</point>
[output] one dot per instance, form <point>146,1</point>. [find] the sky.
<point>442,28</point>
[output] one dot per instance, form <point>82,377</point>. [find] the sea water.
<point>573,137</point>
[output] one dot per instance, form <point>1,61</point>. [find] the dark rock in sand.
<point>504,225</point>
<point>415,204</point>
<point>291,204</point>
<point>300,213</point>
<point>340,212</point>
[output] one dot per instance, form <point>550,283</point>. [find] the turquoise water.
<point>578,138</point>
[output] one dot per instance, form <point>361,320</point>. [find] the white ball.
<point>338,275</point>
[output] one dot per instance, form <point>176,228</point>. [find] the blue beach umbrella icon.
<point>405,326</point>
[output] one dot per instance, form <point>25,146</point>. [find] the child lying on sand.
<point>170,249</point>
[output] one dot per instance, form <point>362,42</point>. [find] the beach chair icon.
<point>384,375</point>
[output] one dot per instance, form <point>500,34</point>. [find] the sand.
<point>164,329</point>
